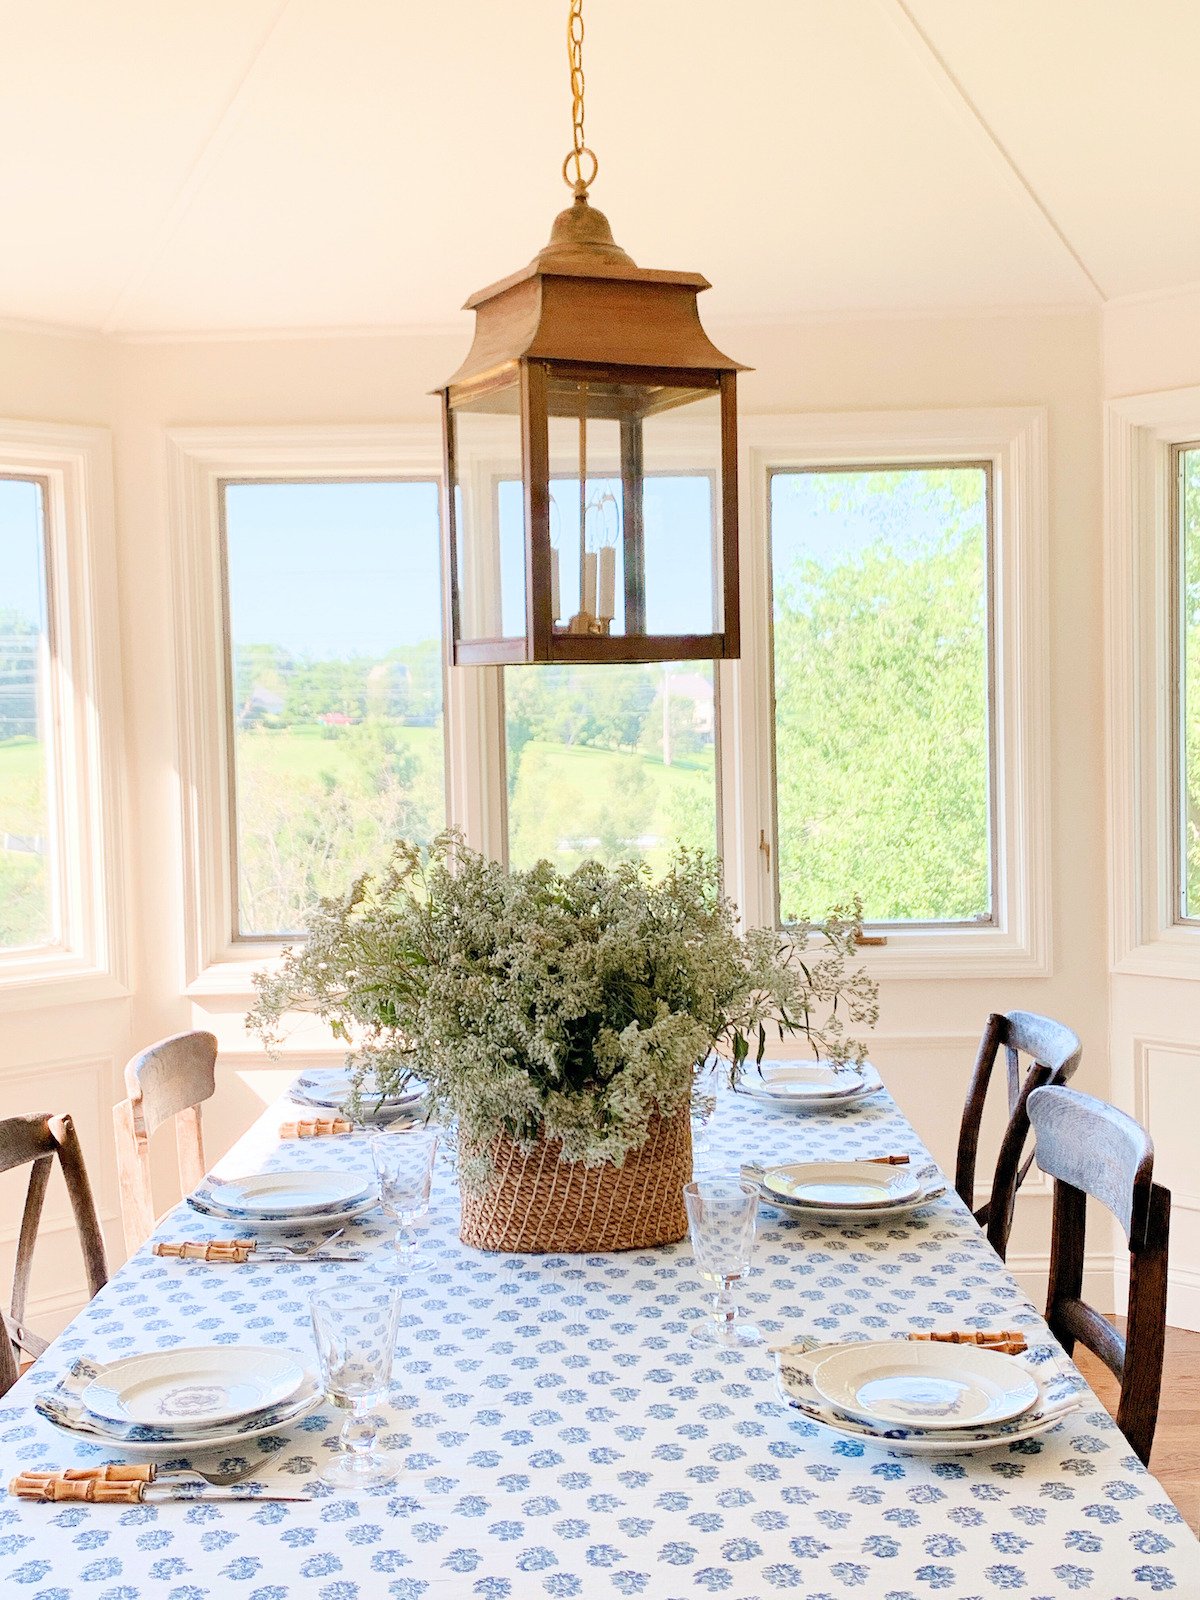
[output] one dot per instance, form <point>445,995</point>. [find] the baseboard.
<point>1183,1294</point>
<point>1031,1269</point>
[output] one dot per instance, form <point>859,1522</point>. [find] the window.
<point>28,909</point>
<point>334,628</point>
<point>1187,720</point>
<point>612,763</point>
<point>882,673</point>
<point>618,763</point>
<point>61,880</point>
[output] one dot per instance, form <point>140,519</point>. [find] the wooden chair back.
<point>1053,1053</point>
<point>38,1142</point>
<point>169,1081</point>
<point>1090,1148</point>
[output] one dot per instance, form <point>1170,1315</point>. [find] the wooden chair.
<point>1090,1148</point>
<point>169,1080</point>
<point>41,1141</point>
<point>1053,1052</point>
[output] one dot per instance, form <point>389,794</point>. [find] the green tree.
<point>881,721</point>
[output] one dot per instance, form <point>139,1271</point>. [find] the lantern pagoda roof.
<point>583,300</point>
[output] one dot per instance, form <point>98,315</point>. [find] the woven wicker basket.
<point>538,1203</point>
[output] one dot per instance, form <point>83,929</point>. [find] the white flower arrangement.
<point>560,1006</point>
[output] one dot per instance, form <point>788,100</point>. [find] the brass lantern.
<point>591,456</point>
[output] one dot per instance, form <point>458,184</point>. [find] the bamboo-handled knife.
<point>128,1484</point>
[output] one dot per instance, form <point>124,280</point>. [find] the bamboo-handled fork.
<point>123,1483</point>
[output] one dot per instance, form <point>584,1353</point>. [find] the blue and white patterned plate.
<point>63,1408</point>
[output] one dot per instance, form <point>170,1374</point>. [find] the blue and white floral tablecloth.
<point>561,1438</point>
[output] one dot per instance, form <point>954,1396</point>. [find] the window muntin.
<point>29,912</point>
<point>882,648</point>
<point>1186,599</point>
<point>334,662</point>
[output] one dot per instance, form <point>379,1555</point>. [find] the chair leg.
<point>1146,1332</point>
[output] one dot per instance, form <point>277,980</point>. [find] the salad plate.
<point>190,1388</point>
<point>278,1195</point>
<point>898,1383</point>
<point>808,1085</point>
<point>844,1185</point>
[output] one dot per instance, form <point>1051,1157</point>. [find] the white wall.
<point>928,1030</point>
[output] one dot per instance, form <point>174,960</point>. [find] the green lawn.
<point>24,883</point>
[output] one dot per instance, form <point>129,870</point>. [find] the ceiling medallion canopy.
<point>591,454</point>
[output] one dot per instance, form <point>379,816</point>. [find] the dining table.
<point>557,1433</point>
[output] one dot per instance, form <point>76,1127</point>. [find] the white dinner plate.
<point>793,1382</point>
<point>334,1088</point>
<point>309,1219</point>
<point>808,1085</point>
<point>153,1444</point>
<point>191,1388</point>
<point>931,1386</point>
<point>279,1195</point>
<point>862,1215</point>
<point>843,1185</point>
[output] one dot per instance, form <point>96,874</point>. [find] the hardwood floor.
<point>1176,1458</point>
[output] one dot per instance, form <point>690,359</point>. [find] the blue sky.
<point>21,548</point>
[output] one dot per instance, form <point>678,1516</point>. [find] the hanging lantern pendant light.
<point>591,396</point>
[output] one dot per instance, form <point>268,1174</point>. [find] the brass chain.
<point>574,166</point>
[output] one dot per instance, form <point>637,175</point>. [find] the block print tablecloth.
<point>561,1438</point>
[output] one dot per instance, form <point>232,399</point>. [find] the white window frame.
<point>1013,441</point>
<point>84,716</point>
<point>1141,432</point>
<point>200,460</point>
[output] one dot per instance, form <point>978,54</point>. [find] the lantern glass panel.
<point>648,459</point>
<point>489,515</point>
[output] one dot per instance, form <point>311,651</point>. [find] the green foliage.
<point>881,721</point>
<point>568,1006</point>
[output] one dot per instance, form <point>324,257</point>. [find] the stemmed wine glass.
<point>721,1216</point>
<point>404,1166</point>
<point>354,1328</point>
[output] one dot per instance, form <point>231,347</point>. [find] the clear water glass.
<point>722,1213</point>
<point>404,1167</point>
<point>705,1084</point>
<point>355,1328</point>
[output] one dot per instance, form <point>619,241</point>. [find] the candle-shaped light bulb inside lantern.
<point>606,583</point>
<point>555,581</point>
<point>589,583</point>
<point>606,578</point>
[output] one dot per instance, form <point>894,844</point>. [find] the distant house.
<point>696,688</point>
<point>335,719</point>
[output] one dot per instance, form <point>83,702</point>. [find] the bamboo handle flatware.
<point>316,1128</point>
<point>1008,1341</point>
<point>129,1484</point>
<point>236,1250</point>
<point>239,1251</point>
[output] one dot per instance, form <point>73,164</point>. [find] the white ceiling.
<point>220,165</point>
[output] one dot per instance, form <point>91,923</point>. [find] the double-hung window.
<point>334,686</point>
<point>61,878</point>
<point>882,660</point>
<point>892,710</point>
<point>1186,680</point>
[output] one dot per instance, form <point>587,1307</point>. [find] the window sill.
<point>961,952</point>
<point>46,982</point>
<point>1174,953</point>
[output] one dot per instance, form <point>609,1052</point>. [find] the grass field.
<point>314,811</point>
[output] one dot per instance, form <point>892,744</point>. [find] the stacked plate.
<point>294,1199</point>
<point>809,1085</point>
<point>844,1191</point>
<point>927,1398</point>
<point>331,1091</point>
<point>177,1402</point>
